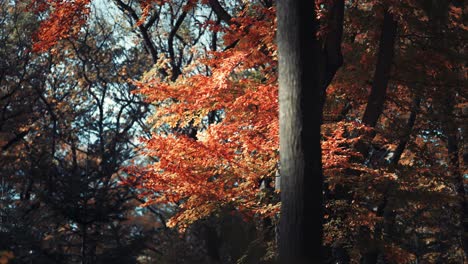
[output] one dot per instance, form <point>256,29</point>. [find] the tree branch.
<point>220,11</point>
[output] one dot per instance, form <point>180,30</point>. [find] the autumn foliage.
<point>227,160</point>
<point>65,19</point>
<point>209,145</point>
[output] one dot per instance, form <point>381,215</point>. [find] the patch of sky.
<point>108,11</point>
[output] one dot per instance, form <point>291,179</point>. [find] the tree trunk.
<point>382,228</point>
<point>464,133</point>
<point>300,102</point>
<point>407,132</point>
<point>376,100</point>
<point>451,131</point>
<point>374,109</point>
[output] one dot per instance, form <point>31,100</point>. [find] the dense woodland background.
<point>147,131</point>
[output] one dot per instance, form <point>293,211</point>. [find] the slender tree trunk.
<point>407,132</point>
<point>84,245</point>
<point>376,100</point>
<point>451,131</point>
<point>331,55</point>
<point>464,137</point>
<point>438,13</point>
<point>300,102</point>
<point>381,229</point>
<point>374,109</point>
<point>461,186</point>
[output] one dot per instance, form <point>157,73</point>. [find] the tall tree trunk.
<point>374,109</point>
<point>300,118</point>
<point>376,100</point>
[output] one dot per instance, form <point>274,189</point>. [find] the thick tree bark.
<point>376,100</point>
<point>300,118</point>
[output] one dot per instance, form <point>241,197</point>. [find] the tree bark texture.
<point>300,94</point>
